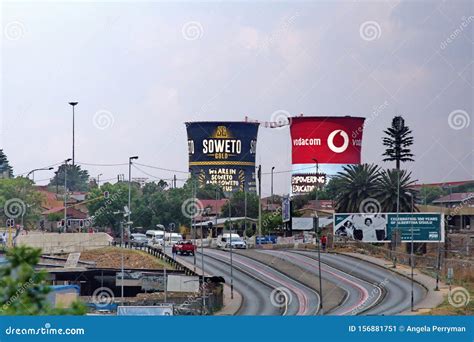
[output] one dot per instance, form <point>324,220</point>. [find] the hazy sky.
<point>141,69</point>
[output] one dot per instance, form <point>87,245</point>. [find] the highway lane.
<point>397,289</point>
<point>255,295</point>
<point>302,300</point>
<point>360,294</point>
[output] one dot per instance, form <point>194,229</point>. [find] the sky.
<point>139,70</point>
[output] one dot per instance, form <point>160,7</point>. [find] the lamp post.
<point>40,169</point>
<point>273,168</point>
<point>73,104</point>
<point>316,231</point>
<point>98,180</point>
<point>130,189</point>
<point>231,260</point>
<point>411,252</point>
<point>65,193</point>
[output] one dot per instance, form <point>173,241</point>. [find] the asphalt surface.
<point>396,288</point>
<point>360,294</point>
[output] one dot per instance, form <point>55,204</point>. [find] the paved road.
<point>255,295</point>
<point>397,289</point>
<point>360,294</point>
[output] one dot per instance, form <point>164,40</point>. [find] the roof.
<point>443,184</point>
<point>221,221</point>
<point>215,206</point>
<point>456,197</point>
<point>50,199</point>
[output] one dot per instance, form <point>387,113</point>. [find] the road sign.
<point>450,273</point>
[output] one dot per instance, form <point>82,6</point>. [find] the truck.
<point>185,247</point>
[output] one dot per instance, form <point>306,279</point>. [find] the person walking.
<point>324,241</point>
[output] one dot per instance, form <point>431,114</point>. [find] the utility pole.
<point>73,104</point>
<point>318,239</point>
<point>231,261</point>
<point>65,193</point>
<point>259,174</point>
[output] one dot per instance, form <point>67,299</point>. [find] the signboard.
<point>157,310</point>
<point>286,208</point>
<point>305,183</point>
<point>223,153</point>
<point>302,223</point>
<point>423,227</point>
<point>72,260</point>
<point>329,140</point>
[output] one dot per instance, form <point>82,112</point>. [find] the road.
<point>397,289</point>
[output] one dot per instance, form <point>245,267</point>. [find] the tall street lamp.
<point>411,250</point>
<point>316,231</point>
<point>65,193</point>
<point>130,189</point>
<point>273,168</point>
<point>98,180</point>
<point>40,169</point>
<point>73,104</point>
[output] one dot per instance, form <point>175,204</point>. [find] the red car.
<point>184,247</point>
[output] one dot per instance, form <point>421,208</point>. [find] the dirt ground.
<point>111,257</point>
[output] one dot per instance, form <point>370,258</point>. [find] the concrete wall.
<point>55,243</point>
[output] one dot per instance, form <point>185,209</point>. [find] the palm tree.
<point>356,183</point>
<point>387,190</point>
<point>399,138</point>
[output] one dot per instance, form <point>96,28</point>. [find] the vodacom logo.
<point>333,147</point>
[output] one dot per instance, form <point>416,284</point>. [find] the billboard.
<point>286,209</point>
<point>331,141</point>
<point>223,153</point>
<point>426,227</point>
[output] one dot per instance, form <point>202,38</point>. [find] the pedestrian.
<point>324,241</point>
<point>173,251</point>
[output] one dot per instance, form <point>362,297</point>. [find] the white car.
<point>225,240</point>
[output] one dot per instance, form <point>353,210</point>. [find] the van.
<point>225,240</point>
<point>172,238</point>
<point>155,237</point>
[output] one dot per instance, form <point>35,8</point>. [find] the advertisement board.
<point>223,153</point>
<point>419,227</point>
<point>326,141</point>
<point>286,208</point>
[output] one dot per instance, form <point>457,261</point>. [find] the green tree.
<point>355,184</point>
<point>77,179</point>
<point>390,184</point>
<point>398,140</point>
<point>5,168</point>
<point>20,200</point>
<point>23,290</point>
<point>430,193</point>
<point>237,205</point>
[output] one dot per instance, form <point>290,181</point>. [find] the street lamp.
<point>40,169</point>
<point>98,180</point>
<point>65,193</point>
<point>411,250</point>
<point>130,188</point>
<point>273,168</point>
<point>73,104</point>
<point>231,260</point>
<point>316,231</point>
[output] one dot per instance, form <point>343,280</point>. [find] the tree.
<point>20,200</point>
<point>355,184</point>
<point>23,289</point>
<point>237,205</point>
<point>6,171</point>
<point>430,193</point>
<point>399,139</point>
<point>77,179</point>
<point>390,184</point>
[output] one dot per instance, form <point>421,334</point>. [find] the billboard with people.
<point>223,153</point>
<point>380,227</point>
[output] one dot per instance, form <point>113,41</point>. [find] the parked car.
<point>225,240</point>
<point>185,247</point>
<point>138,240</point>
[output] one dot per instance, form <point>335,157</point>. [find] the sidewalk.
<point>433,298</point>
<point>231,306</point>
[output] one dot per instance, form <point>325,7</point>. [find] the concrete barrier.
<point>55,243</point>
